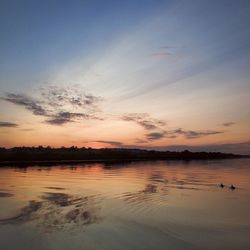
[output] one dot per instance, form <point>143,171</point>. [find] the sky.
<point>154,74</point>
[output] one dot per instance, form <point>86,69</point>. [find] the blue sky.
<point>182,62</point>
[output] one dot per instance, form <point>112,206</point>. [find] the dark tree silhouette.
<point>47,154</point>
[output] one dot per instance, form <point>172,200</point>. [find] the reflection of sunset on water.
<point>170,196</point>
<point>124,125</point>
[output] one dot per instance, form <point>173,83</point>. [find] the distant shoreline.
<point>24,156</point>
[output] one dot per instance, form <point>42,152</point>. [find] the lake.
<point>136,205</point>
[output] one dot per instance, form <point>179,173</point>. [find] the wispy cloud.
<point>59,105</point>
<point>228,124</point>
<point>155,135</point>
<point>164,51</point>
<point>188,134</point>
<point>112,143</point>
<point>8,125</point>
<point>28,102</point>
<point>140,141</point>
<point>161,54</point>
<point>144,120</point>
<point>191,134</point>
<point>66,117</point>
<point>73,95</point>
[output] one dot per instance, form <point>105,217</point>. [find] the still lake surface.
<point>138,205</point>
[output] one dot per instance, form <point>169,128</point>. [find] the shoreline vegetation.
<point>74,155</point>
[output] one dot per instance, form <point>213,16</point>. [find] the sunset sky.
<point>137,73</point>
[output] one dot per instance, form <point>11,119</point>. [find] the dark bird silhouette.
<point>222,185</point>
<point>232,187</point>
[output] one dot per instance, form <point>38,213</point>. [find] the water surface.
<point>139,205</point>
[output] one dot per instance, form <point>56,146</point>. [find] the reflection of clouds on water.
<point>157,176</point>
<point>56,188</point>
<point>143,195</point>
<point>185,188</point>
<point>194,182</point>
<point>158,186</point>
<point>150,189</point>
<point>155,186</point>
<point>63,200</point>
<point>4,194</point>
<point>188,182</point>
<point>27,213</point>
<point>58,211</point>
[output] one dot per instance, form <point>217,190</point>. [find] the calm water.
<point>141,205</point>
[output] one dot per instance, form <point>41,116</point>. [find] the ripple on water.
<point>57,211</point>
<point>159,198</point>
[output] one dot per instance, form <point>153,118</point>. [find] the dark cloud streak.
<point>191,134</point>
<point>144,120</point>
<point>188,134</point>
<point>29,103</point>
<point>66,117</point>
<point>112,143</point>
<point>228,124</point>
<point>8,125</point>
<point>155,136</point>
